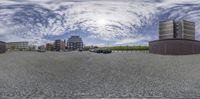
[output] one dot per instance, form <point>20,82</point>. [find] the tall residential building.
<point>177,29</point>
<point>187,30</point>
<point>166,30</point>
<point>17,46</point>
<point>75,43</point>
<point>2,47</point>
<point>59,45</point>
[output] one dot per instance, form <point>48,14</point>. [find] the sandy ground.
<point>73,75</point>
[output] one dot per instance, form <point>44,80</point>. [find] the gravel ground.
<point>73,75</point>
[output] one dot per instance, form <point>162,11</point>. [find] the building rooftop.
<point>75,39</point>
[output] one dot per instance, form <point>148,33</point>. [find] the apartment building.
<point>177,29</point>
<point>74,43</point>
<point>17,46</point>
<point>59,45</point>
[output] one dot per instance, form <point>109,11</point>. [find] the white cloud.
<point>132,41</point>
<point>121,19</point>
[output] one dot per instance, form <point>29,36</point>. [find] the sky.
<point>98,22</point>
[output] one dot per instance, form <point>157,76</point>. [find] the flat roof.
<point>175,39</point>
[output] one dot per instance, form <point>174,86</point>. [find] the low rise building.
<point>41,48</point>
<point>32,48</point>
<point>59,45</point>
<point>21,46</point>
<point>49,47</point>
<point>74,43</point>
<point>2,47</point>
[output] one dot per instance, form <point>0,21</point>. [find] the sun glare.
<point>102,22</point>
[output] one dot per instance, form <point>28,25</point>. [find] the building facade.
<point>59,45</point>
<point>177,29</point>
<point>74,43</point>
<point>49,47</point>
<point>166,30</point>
<point>187,30</point>
<point>2,47</point>
<point>17,46</point>
<point>174,47</point>
<point>175,38</point>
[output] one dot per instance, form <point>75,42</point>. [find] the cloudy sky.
<point>98,22</point>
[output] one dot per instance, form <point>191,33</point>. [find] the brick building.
<point>59,45</point>
<point>49,47</point>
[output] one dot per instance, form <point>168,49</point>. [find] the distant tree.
<point>129,48</point>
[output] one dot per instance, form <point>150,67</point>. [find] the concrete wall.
<point>174,47</point>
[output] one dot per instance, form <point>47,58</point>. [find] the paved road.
<point>74,75</point>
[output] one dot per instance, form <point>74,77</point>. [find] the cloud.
<point>130,41</point>
<point>118,21</point>
<point>122,18</point>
